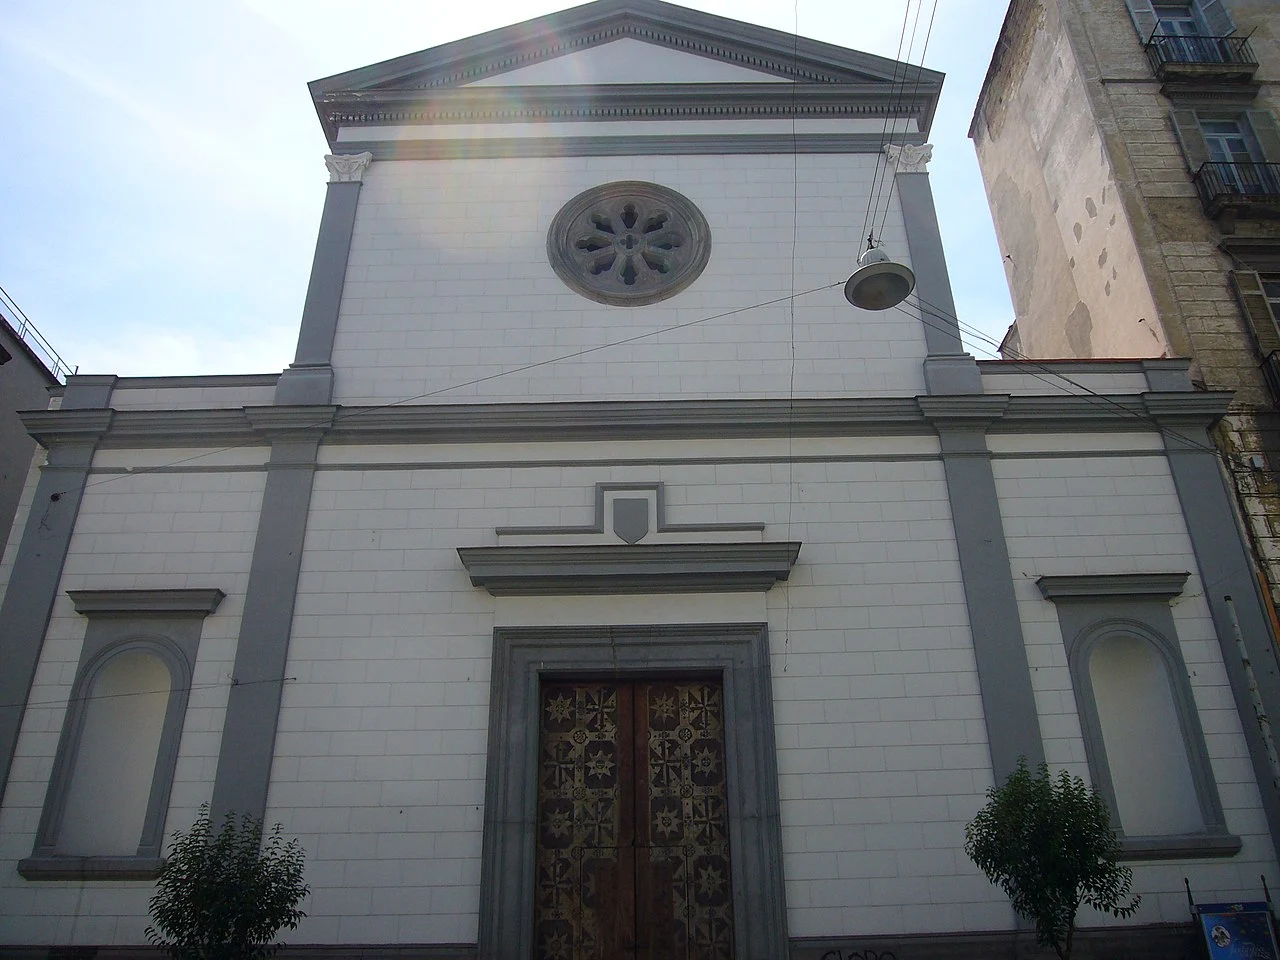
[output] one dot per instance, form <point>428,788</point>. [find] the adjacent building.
<point>1132,161</point>
<point>29,370</point>
<point>597,581</point>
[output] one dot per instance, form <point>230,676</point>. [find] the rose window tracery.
<point>629,243</point>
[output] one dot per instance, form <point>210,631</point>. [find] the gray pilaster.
<point>933,284</point>
<point>1004,677</point>
<point>309,378</point>
<point>253,707</point>
<point>42,551</point>
<point>1228,573</point>
<point>947,369</point>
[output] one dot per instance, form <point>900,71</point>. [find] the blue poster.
<point>1238,931</point>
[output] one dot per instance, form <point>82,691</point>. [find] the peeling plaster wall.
<point>1071,257</point>
<point>1110,253</point>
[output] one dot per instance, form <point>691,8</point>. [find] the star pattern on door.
<point>633,838</point>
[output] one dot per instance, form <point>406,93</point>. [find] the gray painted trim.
<point>1156,585</point>
<point>37,569</point>
<point>90,868</point>
<point>617,568</point>
<point>636,102</point>
<point>1004,676</point>
<point>1188,847</point>
<point>951,375</point>
<point>131,602</point>
<point>995,368</point>
<point>625,420</point>
<point>1144,941</point>
<point>652,21</point>
<point>1168,376</point>
<point>199,381</point>
<point>522,656</point>
<point>88,392</point>
<point>253,705</point>
<point>621,146</point>
<point>929,263</point>
<point>290,421</point>
<point>324,297</point>
<point>1227,570</point>
<point>167,628</point>
<point>660,505</point>
<point>1088,620</point>
<point>50,427</point>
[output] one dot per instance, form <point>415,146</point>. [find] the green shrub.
<point>225,895</point>
<point>1049,845</point>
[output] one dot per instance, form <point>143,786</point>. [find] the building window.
<point>1271,290</point>
<point>108,796</point>
<point>1141,731</point>
<point>628,244</point>
<point>1178,20</point>
<point>1234,161</point>
<point>1196,18</point>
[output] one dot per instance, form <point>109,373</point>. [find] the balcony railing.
<point>1271,371</point>
<point>1248,189</point>
<point>1186,57</point>
<point>32,337</point>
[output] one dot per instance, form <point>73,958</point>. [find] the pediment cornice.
<point>430,86</point>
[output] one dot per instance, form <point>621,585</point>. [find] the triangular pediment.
<point>628,60</point>
<point>610,45</point>
<point>509,50</point>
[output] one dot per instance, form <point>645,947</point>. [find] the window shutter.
<point>1257,311</point>
<point>1187,127</point>
<point>1214,15</point>
<point>1144,18</point>
<point>1266,133</point>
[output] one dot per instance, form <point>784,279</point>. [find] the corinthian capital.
<point>347,167</point>
<point>909,157</point>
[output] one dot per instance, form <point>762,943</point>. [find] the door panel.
<point>633,840</point>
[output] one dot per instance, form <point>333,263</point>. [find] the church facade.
<point>598,581</point>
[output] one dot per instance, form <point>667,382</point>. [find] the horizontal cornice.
<point>49,427</point>
<point>557,103</point>
<point>483,148</point>
<point>627,420</point>
<point>179,602</point>
<point>629,568</point>
<point>1111,585</point>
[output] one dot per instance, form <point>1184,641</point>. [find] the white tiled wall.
<point>1120,514</point>
<point>448,283</point>
<point>881,747</point>
<point>158,530</point>
<point>381,747</point>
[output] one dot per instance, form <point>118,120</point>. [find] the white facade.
<point>470,399</point>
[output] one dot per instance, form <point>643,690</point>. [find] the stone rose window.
<point>629,243</point>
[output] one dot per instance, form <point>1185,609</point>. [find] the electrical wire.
<point>915,91</point>
<point>890,178</point>
<point>873,190</point>
<point>343,416</point>
<point>938,313</point>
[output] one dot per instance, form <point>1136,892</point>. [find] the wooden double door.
<point>633,826</point>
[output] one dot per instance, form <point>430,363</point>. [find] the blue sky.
<point>164,173</point>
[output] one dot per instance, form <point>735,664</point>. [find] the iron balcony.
<point>1201,58</point>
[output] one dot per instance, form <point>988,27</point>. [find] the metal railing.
<point>1271,372</point>
<point>32,337</point>
<point>1222,183</point>
<point>1228,51</point>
